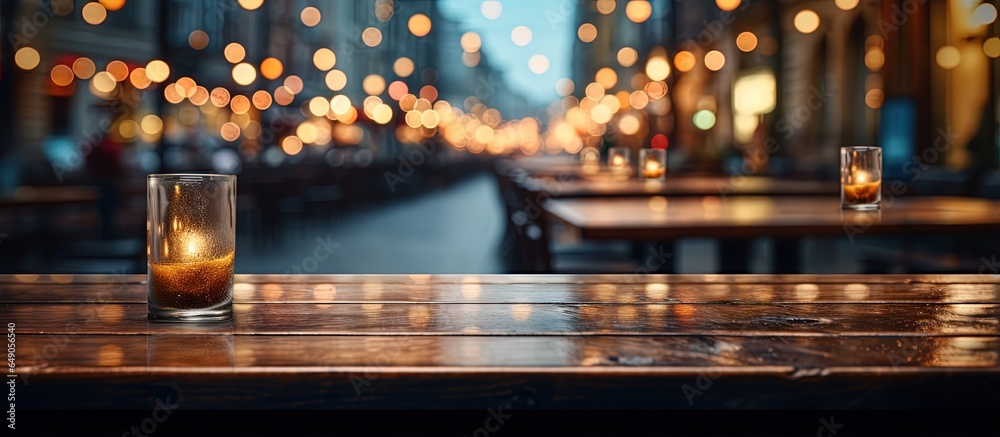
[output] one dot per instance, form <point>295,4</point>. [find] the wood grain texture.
<point>634,290</point>
<point>746,217</point>
<point>530,319</point>
<point>111,353</point>
<point>602,341</point>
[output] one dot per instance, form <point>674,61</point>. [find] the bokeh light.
<point>657,68</point>
<point>27,58</point>
<point>846,4</point>
<point>84,68</point>
<point>250,5</point>
<point>538,64</point>
<point>627,57</point>
<point>991,47</point>
<point>471,42</point>
<point>271,68</point>
<point>419,25</point>
<point>684,61</point>
<point>324,59</point>
<point>521,36</point>
<point>371,37</point>
<point>219,97</point>
<point>984,14</point>
<point>704,119</point>
<point>806,21</point>
<point>62,75</point>
<point>605,7</point>
<point>746,41</point>
<point>94,13</point>
<point>606,77</point>
<point>587,32</point>
<point>714,60</point>
<point>118,70</point>
<point>565,86</point>
<point>310,16</point>
<point>234,52</point>
<point>728,5</point>
<point>291,145</point>
<point>638,11</point>
<point>198,39</point>
<point>948,57</point>
<point>403,67</point>
<point>491,9</point>
<point>261,100</point>
<point>244,73</point>
<point>373,84</point>
<point>336,80</point>
<point>157,71</point>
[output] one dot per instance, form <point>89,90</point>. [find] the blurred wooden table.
<point>654,218</point>
<point>682,186</point>
<point>529,342</point>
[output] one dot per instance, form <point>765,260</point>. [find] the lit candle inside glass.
<point>861,177</point>
<point>618,160</point>
<point>652,170</point>
<point>192,247</point>
<point>863,190</point>
<point>654,163</point>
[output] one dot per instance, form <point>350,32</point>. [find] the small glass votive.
<point>191,246</point>
<point>861,177</point>
<point>590,160</point>
<point>653,164</point>
<point>619,159</point>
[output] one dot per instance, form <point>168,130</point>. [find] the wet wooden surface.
<point>653,218</point>
<point>469,342</point>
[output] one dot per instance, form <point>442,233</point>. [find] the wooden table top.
<point>651,218</point>
<point>470,342</point>
<point>683,186</point>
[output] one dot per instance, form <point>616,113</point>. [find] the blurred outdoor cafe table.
<point>787,217</point>
<point>538,342</point>
<point>682,186</point>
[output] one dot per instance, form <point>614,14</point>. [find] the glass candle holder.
<point>619,159</point>
<point>590,160</point>
<point>653,164</point>
<point>191,244</point>
<point>861,177</point>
